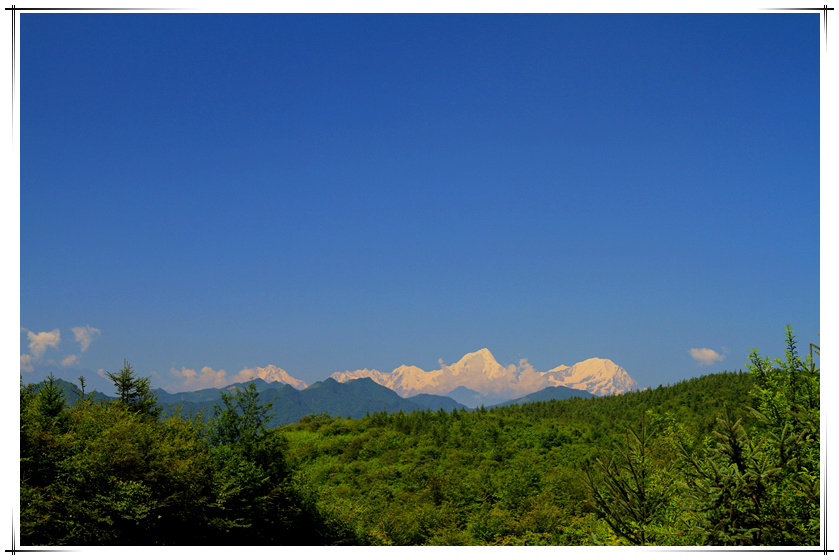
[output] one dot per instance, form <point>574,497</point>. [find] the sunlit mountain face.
<point>479,373</point>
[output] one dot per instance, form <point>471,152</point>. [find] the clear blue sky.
<point>332,192</point>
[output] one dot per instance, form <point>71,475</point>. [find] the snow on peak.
<point>485,354</point>
<point>480,371</point>
<point>596,375</point>
<point>482,355</point>
<point>271,373</point>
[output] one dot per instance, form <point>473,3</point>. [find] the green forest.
<point>730,458</point>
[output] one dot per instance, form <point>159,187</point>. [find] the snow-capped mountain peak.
<point>483,354</point>
<point>480,371</point>
<point>481,363</point>
<point>595,375</point>
<point>271,373</point>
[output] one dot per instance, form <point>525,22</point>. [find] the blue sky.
<point>333,192</point>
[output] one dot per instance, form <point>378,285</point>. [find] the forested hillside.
<point>724,459</point>
<point>506,475</point>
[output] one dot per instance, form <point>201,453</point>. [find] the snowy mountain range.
<point>474,380</point>
<point>478,379</point>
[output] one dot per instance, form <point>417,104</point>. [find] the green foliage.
<point>111,478</point>
<point>513,475</point>
<point>728,487</point>
<point>730,458</point>
<point>249,479</point>
<point>510,475</point>
<point>787,393</point>
<point>240,419</point>
<point>761,487</point>
<point>752,480</point>
<point>113,475</point>
<point>627,490</point>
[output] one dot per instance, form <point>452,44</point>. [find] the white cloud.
<point>38,343</point>
<point>705,356</point>
<point>250,373</point>
<point>26,363</point>
<point>70,360</point>
<point>86,335</point>
<point>528,380</point>
<point>191,380</point>
<point>269,374</point>
<point>526,369</point>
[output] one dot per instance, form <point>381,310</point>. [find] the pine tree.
<point>50,400</point>
<point>135,392</point>
<point>762,488</point>
<point>624,491</point>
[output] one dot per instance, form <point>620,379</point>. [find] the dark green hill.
<point>202,396</point>
<point>71,392</point>
<point>694,402</point>
<point>355,398</point>
<point>550,394</point>
<point>352,399</point>
<point>466,397</point>
<point>436,402</point>
<point>93,381</point>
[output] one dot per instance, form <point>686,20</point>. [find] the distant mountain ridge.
<point>550,394</point>
<point>351,399</point>
<point>479,379</point>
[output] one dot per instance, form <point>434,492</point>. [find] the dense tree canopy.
<point>112,472</point>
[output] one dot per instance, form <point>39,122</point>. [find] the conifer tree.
<point>135,392</point>
<point>623,489</point>
<point>50,399</point>
<point>762,488</point>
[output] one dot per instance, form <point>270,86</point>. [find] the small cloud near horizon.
<point>26,363</point>
<point>39,342</point>
<point>70,360</point>
<point>208,378</point>
<point>85,335</point>
<point>192,380</point>
<point>705,356</point>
